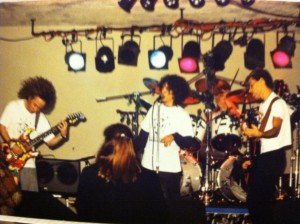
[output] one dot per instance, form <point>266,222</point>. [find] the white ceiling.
<point>108,13</point>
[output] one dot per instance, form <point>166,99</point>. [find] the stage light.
<point>127,5</point>
<point>189,62</point>
<point>247,3</point>
<point>281,56</point>
<point>128,53</point>
<point>159,59</point>
<point>104,60</point>
<point>76,61</point>
<point>172,4</point>
<point>197,3</point>
<point>148,4</point>
<point>254,56</point>
<point>220,54</point>
<point>222,2</point>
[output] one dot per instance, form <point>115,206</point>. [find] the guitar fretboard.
<point>54,130</point>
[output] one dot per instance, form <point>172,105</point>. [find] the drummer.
<point>223,105</point>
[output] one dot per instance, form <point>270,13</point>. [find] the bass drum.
<point>225,133</point>
<point>227,180</point>
<point>191,175</point>
<point>199,127</point>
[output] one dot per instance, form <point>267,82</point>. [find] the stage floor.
<point>45,208</point>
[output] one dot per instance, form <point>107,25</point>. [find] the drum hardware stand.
<point>297,171</point>
<point>133,97</point>
<point>209,106</point>
<point>294,171</point>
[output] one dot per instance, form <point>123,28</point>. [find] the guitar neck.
<point>54,130</point>
<point>71,119</point>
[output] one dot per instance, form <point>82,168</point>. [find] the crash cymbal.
<point>241,96</point>
<point>219,86</point>
<point>152,85</point>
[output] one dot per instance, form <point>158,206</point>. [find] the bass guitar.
<point>17,161</point>
<point>254,143</point>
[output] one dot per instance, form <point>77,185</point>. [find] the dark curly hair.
<point>179,87</point>
<point>41,87</point>
<point>261,73</point>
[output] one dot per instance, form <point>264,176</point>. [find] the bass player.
<point>274,133</point>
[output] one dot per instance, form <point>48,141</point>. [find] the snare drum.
<point>225,133</point>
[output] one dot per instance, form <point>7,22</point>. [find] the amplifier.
<point>57,175</point>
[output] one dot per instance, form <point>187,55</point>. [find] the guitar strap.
<point>37,117</point>
<point>266,117</point>
<point>256,143</point>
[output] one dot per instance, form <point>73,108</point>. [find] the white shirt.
<point>17,120</point>
<point>281,110</point>
<point>159,122</point>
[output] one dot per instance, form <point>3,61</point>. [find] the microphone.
<point>101,99</point>
<point>158,100</point>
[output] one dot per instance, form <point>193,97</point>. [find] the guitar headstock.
<point>75,117</point>
<point>282,89</point>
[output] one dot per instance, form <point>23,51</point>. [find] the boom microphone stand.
<point>136,98</point>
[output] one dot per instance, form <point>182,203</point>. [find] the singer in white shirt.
<point>166,129</point>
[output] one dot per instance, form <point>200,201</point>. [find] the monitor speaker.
<point>58,176</point>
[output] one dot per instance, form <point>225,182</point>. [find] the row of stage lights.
<point>149,5</point>
<point>158,58</point>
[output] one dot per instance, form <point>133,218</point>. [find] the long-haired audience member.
<point>114,189</point>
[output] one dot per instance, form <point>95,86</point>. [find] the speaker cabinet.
<point>58,176</point>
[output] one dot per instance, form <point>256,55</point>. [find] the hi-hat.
<point>241,96</point>
<point>220,85</point>
<point>152,85</point>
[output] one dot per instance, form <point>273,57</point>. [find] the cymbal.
<point>152,85</point>
<point>220,85</point>
<point>192,99</point>
<point>241,96</point>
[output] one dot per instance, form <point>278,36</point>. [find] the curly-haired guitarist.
<point>25,117</point>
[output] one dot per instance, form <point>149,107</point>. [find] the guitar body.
<point>254,143</point>
<point>17,161</point>
<point>254,147</point>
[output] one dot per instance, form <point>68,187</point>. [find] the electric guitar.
<point>250,117</point>
<point>17,161</point>
<point>254,143</point>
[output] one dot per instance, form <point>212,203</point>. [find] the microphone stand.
<point>136,98</point>
<point>209,106</point>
